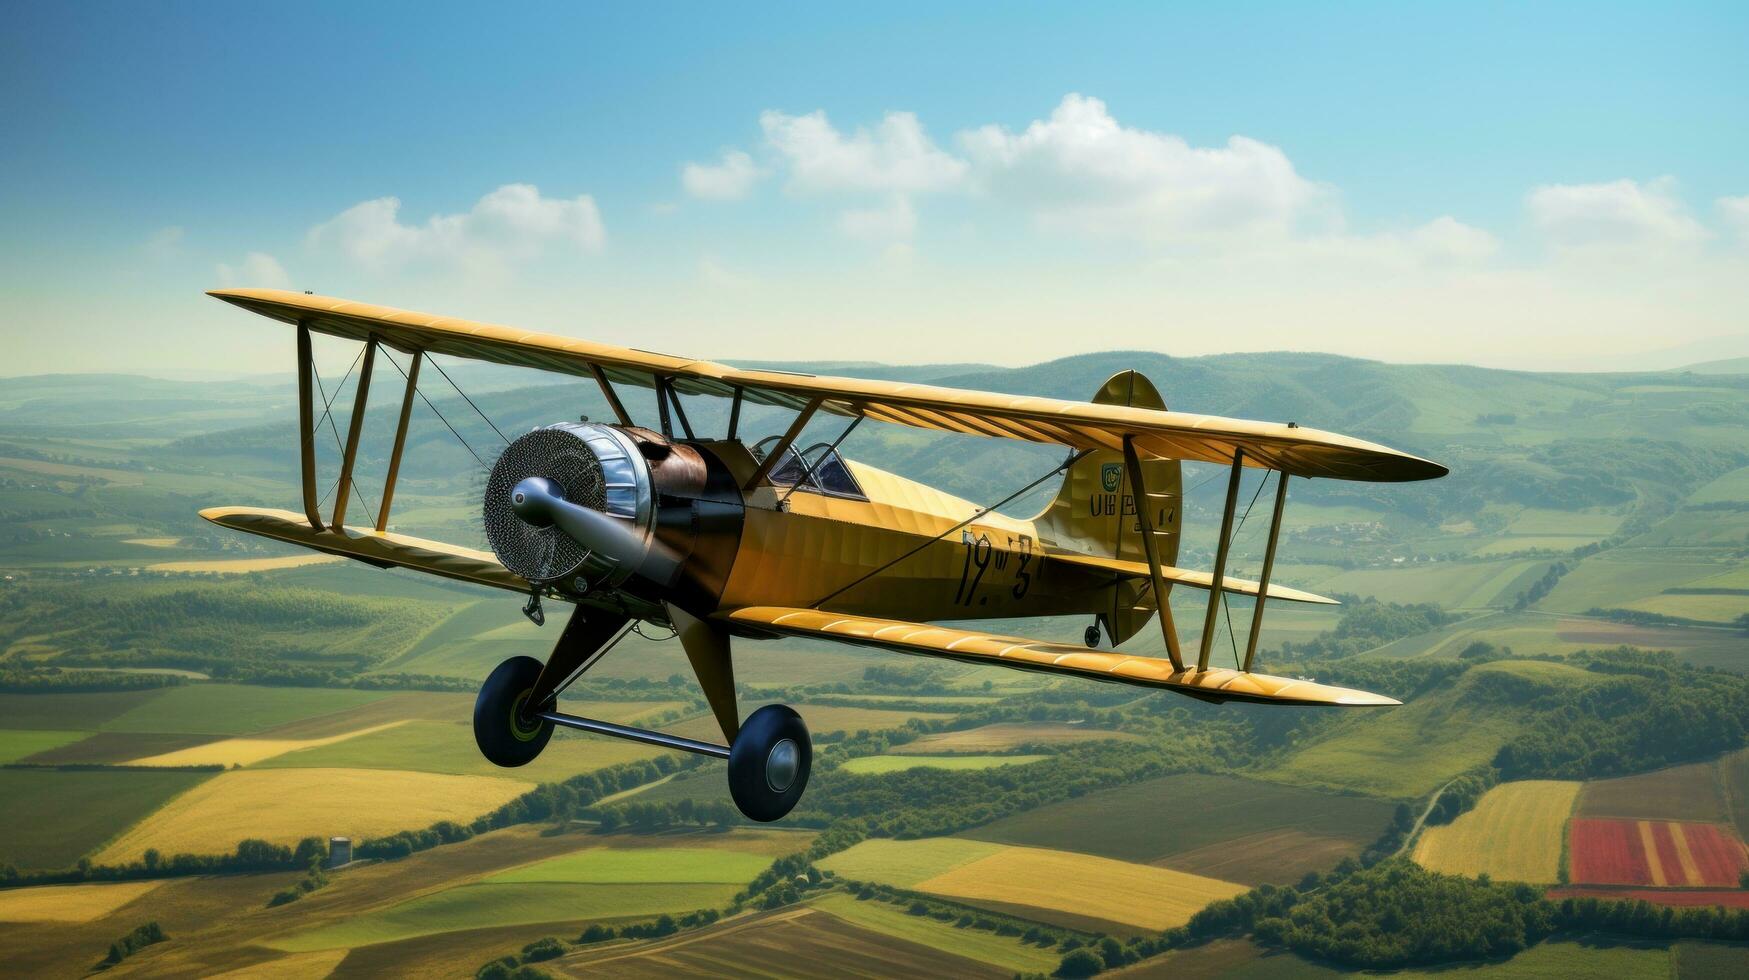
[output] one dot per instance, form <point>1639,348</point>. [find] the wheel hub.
<point>781,765</point>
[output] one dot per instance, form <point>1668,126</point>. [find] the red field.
<point>1654,852</point>
<point>1659,896</point>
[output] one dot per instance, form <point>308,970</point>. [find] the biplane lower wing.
<point>380,548</point>
<point>1215,684</point>
<point>1185,576</point>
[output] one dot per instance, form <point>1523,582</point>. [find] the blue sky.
<point>1518,185</point>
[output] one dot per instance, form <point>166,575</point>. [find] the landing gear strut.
<point>770,754</point>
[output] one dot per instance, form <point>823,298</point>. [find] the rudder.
<point>1095,511</point>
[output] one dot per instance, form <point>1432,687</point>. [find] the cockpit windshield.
<point>818,468</point>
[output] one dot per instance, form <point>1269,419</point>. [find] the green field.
<point>233,709</point>
<point>486,905</point>
<point>63,712</point>
<point>888,920</point>
<point>1452,584</point>
<point>898,763</point>
<point>906,863</point>
<point>1408,752</point>
<point>1218,826</point>
<point>51,818</point>
<point>652,865</point>
<point>16,744</point>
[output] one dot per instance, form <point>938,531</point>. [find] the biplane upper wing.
<point>1286,447</point>
<point>1214,684</point>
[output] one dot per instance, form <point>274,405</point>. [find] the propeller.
<point>537,502</point>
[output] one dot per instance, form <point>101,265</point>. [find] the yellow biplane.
<point>715,538</point>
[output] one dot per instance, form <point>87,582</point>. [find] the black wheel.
<point>1092,635</point>
<point>503,731</point>
<point>769,762</point>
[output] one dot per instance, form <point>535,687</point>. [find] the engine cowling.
<point>589,464</point>
<point>677,511</point>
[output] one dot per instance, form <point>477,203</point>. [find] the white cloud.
<point>1735,212</point>
<point>1614,214</point>
<point>1082,168</point>
<point>165,243</point>
<point>896,156</point>
<point>894,222</point>
<point>258,270</point>
<point>1446,239</point>
<point>730,180</point>
<point>512,223</point>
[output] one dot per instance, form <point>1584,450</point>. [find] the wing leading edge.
<point>1207,438</point>
<point>1217,684</point>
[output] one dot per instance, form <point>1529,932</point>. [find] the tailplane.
<point>1095,512</point>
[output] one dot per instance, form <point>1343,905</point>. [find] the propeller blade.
<point>535,501</point>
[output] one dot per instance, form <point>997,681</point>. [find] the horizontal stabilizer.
<point>380,548</point>
<point>1052,658</point>
<point>1196,580</point>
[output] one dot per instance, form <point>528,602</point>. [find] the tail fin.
<point>1095,512</point>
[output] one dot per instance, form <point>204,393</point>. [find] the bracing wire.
<point>440,418</point>
<point>470,401</point>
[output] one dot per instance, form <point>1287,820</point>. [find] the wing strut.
<point>354,429</point>
<point>307,428</point>
<point>1220,571</point>
<point>1145,511</point>
<point>1268,567</point>
<point>400,437</point>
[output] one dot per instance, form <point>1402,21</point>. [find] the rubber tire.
<point>762,731</point>
<point>501,738</point>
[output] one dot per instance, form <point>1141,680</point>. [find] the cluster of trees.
<point>250,855</point>
<point>1461,795</point>
<point>133,942</point>
<point>1398,914</point>
<point>54,680</point>
<point>1541,587</point>
<point>549,801</point>
<point>644,816</point>
<point>966,917</point>
<point>1649,712</point>
<point>314,877</point>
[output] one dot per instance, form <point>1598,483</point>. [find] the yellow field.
<point>1078,884</point>
<point>1513,834</point>
<point>241,566</point>
<point>69,903</point>
<point>1117,891</point>
<point>154,542</point>
<point>246,751</point>
<point>283,806</point>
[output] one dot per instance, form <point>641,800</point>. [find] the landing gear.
<point>769,756</point>
<point>769,763</point>
<point>1091,635</point>
<point>506,728</point>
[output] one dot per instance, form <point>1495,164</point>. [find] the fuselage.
<point>894,547</point>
